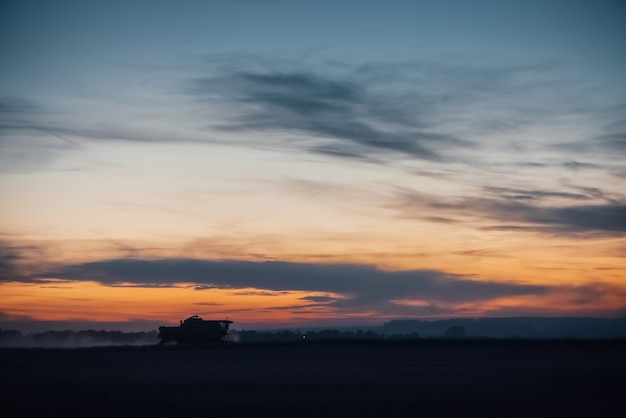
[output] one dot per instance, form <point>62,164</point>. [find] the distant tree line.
<point>515,327</point>
<point>327,334</point>
<point>511,327</point>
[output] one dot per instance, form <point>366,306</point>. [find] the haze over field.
<point>288,163</point>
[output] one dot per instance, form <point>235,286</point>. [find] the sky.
<point>301,163</point>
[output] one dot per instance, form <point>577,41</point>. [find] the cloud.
<point>358,284</point>
<point>335,289</point>
<point>26,119</point>
<point>15,106</point>
<point>578,165</point>
<point>32,136</point>
<point>445,111</point>
<point>523,194</point>
<point>21,145</point>
<point>611,143</point>
<point>514,210</point>
<point>590,293</point>
<point>319,299</point>
<point>16,261</point>
<point>8,258</point>
<point>342,116</point>
<point>375,112</point>
<point>607,145</point>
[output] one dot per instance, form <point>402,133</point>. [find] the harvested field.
<point>433,378</point>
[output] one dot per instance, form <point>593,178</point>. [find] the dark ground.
<point>427,378</point>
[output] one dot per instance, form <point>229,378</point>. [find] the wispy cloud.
<point>438,112</point>
<point>517,209</point>
<point>26,143</point>
<point>16,260</point>
<point>23,118</point>
<point>609,143</point>
<point>355,115</point>
<point>377,112</point>
<point>8,259</point>
<point>523,194</point>
<point>33,135</point>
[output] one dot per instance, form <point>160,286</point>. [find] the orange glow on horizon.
<point>90,301</point>
<point>557,263</point>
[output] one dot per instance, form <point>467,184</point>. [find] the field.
<point>429,378</point>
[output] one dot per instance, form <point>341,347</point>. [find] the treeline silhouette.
<point>511,327</point>
<point>326,334</point>
<point>457,328</point>
<point>73,339</point>
<point>409,329</point>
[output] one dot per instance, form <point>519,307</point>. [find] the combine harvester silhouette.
<point>195,330</point>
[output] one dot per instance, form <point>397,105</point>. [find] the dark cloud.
<point>515,211</point>
<point>571,220</point>
<point>597,193</point>
<point>358,285</point>
<point>346,118</point>
<point>345,289</point>
<point>318,299</point>
<point>578,165</point>
<point>523,194</point>
<point>437,111</point>
<point>16,260</point>
<point>344,151</point>
<point>8,259</point>
<point>258,292</point>
<point>607,218</point>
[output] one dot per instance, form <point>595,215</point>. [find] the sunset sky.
<point>301,163</point>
